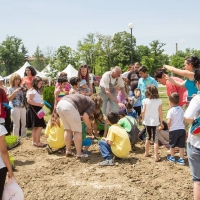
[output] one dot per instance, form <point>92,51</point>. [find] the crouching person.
<point>117,141</point>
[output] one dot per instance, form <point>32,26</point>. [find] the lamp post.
<point>130,25</point>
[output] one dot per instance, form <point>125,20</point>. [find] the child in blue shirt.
<point>130,111</point>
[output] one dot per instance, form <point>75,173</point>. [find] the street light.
<point>130,25</point>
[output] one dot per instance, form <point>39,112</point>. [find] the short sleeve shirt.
<point>18,100</point>
<point>107,79</point>
<point>37,98</point>
<point>176,115</point>
<point>3,131</point>
<point>81,102</point>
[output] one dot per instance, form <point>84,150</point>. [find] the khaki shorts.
<point>70,116</point>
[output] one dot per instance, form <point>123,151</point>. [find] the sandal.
<point>34,144</point>
<point>69,153</point>
<point>82,155</point>
<point>61,150</point>
<point>40,144</point>
<point>158,160</point>
<point>49,150</point>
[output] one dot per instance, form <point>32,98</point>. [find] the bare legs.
<point>196,190</point>
<point>36,132</point>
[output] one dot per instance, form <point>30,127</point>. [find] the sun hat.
<point>1,78</point>
<point>83,82</point>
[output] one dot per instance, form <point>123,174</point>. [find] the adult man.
<point>145,80</point>
<point>107,91</point>
<point>160,76</point>
<point>133,76</point>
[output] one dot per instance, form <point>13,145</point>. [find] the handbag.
<point>40,114</point>
<point>12,191</point>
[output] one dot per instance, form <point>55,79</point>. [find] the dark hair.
<point>62,79</point>
<point>194,61</point>
<point>80,75</point>
<point>74,81</point>
<point>143,69</point>
<point>174,98</point>
<point>35,82</point>
<point>90,68</point>
<point>55,120</point>
<point>151,92</point>
<point>129,106</point>
<point>113,117</point>
<point>197,75</point>
<point>33,71</point>
<point>158,73</point>
<point>63,74</point>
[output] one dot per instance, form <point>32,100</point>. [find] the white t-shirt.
<point>192,112</point>
<point>107,79</point>
<point>176,115</point>
<point>151,117</point>
<point>3,131</point>
<point>37,98</point>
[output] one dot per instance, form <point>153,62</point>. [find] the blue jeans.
<point>105,150</point>
<point>194,161</point>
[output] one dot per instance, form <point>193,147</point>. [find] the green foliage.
<point>11,140</point>
<point>39,62</point>
<point>12,54</point>
<point>48,95</point>
<point>12,161</point>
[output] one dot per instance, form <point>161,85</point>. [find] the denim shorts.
<point>194,161</point>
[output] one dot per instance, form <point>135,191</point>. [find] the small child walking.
<point>55,134</point>
<point>177,133</point>
<point>152,117</point>
<point>137,104</point>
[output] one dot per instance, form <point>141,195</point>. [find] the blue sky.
<point>49,23</point>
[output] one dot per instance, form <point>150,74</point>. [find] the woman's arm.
<point>160,116</point>
<point>12,96</point>
<point>185,73</point>
<point>33,103</point>
<point>5,156</point>
<point>179,84</point>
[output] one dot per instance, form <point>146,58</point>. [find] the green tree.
<point>121,52</point>
<point>39,60</point>
<point>12,54</point>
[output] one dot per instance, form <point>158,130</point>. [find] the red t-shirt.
<point>180,90</point>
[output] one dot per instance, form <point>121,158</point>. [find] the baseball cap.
<point>83,82</point>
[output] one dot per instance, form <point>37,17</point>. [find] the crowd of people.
<point>110,116</point>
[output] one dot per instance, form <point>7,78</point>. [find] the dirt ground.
<point>55,177</point>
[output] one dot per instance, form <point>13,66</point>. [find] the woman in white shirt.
<point>193,148</point>
<point>5,165</point>
<point>35,104</point>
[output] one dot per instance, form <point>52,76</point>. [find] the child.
<point>60,90</point>
<point>130,125</point>
<point>100,124</point>
<point>5,165</point>
<point>83,88</point>
<point>152,117</point>
<point>130,111</point>
<point>137,103</point>
<point>177,133</point>
<point>55,134</point>
<point>116,142</point>
<point>86,142</point>
<point>75,83</point>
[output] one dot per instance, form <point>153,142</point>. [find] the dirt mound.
<point>55,177</point>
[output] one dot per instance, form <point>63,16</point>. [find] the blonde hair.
<point>13,78</point>
<point>97,100</point>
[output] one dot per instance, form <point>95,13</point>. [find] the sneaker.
<point>107,163</point>
<point>171,159</point>
<point>181,161</point>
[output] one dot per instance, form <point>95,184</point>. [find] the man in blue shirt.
<point>145,80</point>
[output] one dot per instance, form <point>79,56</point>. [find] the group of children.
<point>112,128</point>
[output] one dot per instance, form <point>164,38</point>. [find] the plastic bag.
<point>12,191</point>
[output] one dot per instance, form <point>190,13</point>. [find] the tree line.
<point>97,50</point>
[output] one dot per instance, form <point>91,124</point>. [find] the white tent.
<point>22,70</point>
<point>71,71</point>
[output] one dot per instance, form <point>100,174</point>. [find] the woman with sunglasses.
<point>191,64</point>
<point>193,143</point>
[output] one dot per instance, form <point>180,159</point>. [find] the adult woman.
<point>15,95</point>
<point>83,73</point>
<point>29,74</point>
<point>35,104</point>
<point>70,109</point>
<point>191,63</point>
<point>193,148</point>
<point>4,160</point>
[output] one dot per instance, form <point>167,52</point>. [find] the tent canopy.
<point>71,71</point>
<point>22,70</point>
